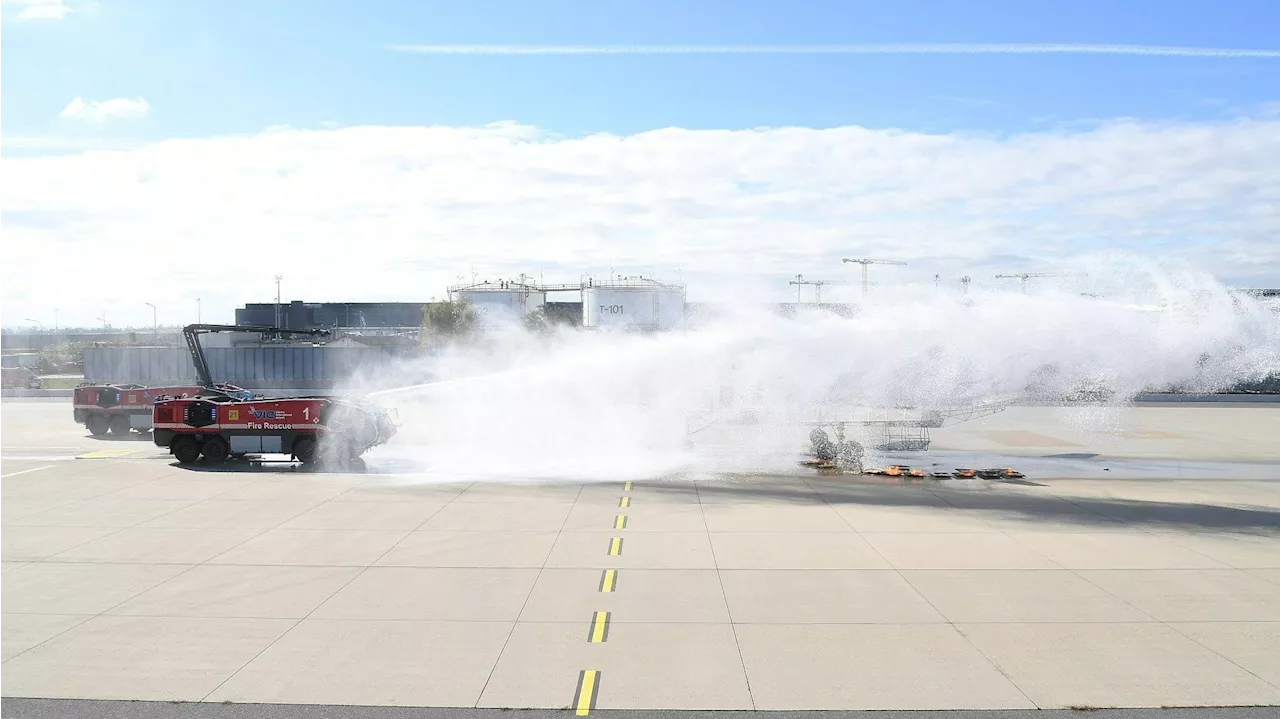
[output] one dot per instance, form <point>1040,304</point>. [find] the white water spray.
<point>584,405</point>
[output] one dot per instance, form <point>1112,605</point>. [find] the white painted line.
<point>37,458</point>
<point>25,471</point>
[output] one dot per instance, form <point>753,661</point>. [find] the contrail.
<point>889,49</point>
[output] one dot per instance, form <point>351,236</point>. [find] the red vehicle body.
<point>309,429</point>
<point>119,408</point>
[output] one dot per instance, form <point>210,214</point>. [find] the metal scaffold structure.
<point>800,281</point>
<point>867,262</point>
<point>906,428</point>
<point>1023,276</point>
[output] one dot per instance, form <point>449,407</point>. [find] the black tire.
<point>305,450</point>
<point>120,424</point>
<point>215,450</point>
<point>98,424</point>
<point>185,449</point>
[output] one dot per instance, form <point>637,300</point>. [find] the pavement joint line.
<point>615,547</point>
<point>599,631</point>
<point>587,691</point>
<point>608,580</point>
<point>620,521</point>
<point>295,625</point>
<point>1173,626</point>
<point>934,607</point>
<point>52,559</point>
<point>506,642</point>
<point>724,596</point>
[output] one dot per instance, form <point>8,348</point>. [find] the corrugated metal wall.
<point>246,366</point>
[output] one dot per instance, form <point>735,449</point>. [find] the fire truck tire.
<point>120,425</point>
<point>305,450</point>
<point>98,424</point>
<point>215,450</point>
<point>185,449</point>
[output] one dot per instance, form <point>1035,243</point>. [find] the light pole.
<point>155,326</point>
<point>278,278</point>
<point>38,322</point>
<point>197,310</point>
<point>55,319</point>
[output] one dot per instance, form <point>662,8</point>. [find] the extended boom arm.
<point>192,334</point>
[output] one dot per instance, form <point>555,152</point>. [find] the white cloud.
<point>880,49</point>
<point>119,108</point>
<point>40,9</point>
<point>398,213</point>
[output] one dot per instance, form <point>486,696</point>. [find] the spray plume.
<point>588,405</point>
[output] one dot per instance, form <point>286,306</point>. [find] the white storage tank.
<point>633,305</point>
<point>501,303</point>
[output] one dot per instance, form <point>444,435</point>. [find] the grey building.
<point>298,315</point>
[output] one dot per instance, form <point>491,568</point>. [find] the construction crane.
<point>865,263</point>
<point>799,281</point>
<point>1024,275</point>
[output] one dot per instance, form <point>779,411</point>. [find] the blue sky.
<point>239,66</point>
<point>291,132</point>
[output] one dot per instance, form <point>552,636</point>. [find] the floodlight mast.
<point>865,262</point>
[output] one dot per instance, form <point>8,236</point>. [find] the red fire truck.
<point>311,429</point>
<point>119,408</point>
<point>217,424</point>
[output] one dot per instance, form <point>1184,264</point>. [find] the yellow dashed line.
<point>107,454</point>
<point>608,580</point>
<point>620,521</point>
<point>624,502</point>
<point>599,628</point>
<point>615,546</point>
<point>627,486</point>
<point>584,699</point>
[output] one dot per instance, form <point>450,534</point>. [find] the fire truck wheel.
<point>215,450</point>
<point>305,450</point>
<point>97,424</point>
<point>185,449</point>
<point>120,425</point>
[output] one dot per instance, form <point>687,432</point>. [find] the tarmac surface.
<point>1138,567</point>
